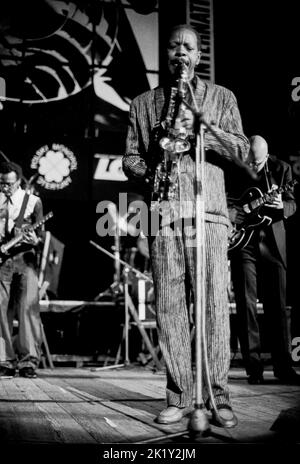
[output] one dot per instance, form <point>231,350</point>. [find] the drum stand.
<point>129,310</point>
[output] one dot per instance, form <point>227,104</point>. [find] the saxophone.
<point>173,143</point>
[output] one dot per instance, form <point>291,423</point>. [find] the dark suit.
<point>259,270</point>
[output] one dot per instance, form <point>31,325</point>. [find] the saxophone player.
<point>172,249</point>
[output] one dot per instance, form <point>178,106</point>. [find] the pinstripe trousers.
<point>173,265</point>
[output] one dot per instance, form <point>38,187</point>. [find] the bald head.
<point>258,153</point>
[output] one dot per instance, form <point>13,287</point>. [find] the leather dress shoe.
<point>27,372</point>
<point>172,414</point>
<point>226,417</point>
<point>255,379</point>
<point>7,372</point>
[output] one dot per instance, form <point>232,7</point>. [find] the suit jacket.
<point>219,106</point>
<point>279,173</point>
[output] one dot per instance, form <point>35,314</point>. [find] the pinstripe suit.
<point>173,252</point>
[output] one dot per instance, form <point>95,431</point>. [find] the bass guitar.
<point>5,247</point>
<point>250,203</point>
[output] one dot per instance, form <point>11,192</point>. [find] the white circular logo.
<point>54,165</point>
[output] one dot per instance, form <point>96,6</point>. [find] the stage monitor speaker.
<point>288,424</point>
<point>51,261</point>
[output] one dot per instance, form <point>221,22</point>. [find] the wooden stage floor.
<point>79,406</point>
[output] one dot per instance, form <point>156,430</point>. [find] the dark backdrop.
<point>254,56</point>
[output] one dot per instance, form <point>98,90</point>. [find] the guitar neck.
<point>18,238</point>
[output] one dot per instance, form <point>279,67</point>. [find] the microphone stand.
<point>199,422</point>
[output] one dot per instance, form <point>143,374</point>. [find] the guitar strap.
<point>20,218</point>
<point>268,176</point>
<point>6,218</point>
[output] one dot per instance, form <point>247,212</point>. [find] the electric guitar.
<point>5,247</point>
<point>251,202</point>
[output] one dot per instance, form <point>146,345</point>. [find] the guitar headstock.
<point>48,216</point>
<point>39,223</point>
<point>44,219</point>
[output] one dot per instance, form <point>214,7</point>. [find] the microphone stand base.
<point>199,424</point>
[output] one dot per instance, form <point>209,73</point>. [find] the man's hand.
<point>187,119</point>
<point>236,214</point>
<point>276,203</point>
<point>30,237</point>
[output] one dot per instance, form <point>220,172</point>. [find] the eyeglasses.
<point>256,164</point>
<point>7,187</point>
<point>9,184</point>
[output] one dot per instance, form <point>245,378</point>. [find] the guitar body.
<point>240,236</point>
<point>251,199</point>
<point>18,238</point>
<point>251,202</point>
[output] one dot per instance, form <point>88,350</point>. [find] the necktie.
<point>6,203</point>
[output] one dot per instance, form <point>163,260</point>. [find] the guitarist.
<point>258,270</point>
<point>19,296</point>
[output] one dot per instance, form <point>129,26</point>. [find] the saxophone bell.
<point>175,145</point>
<point>181,144</point>
<point>166,143</point>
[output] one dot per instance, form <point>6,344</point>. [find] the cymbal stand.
<point>126,324</point>
<point>115,288</point>
<point>117,250</point>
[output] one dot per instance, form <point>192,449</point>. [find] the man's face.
<point>9,183</point>
<point>257,158</point>
<point>182,47</point>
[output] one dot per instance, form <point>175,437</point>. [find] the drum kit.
<point>132,280</point>
<point>136,258</point>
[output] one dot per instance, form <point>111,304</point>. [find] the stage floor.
<point>117,406</point>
